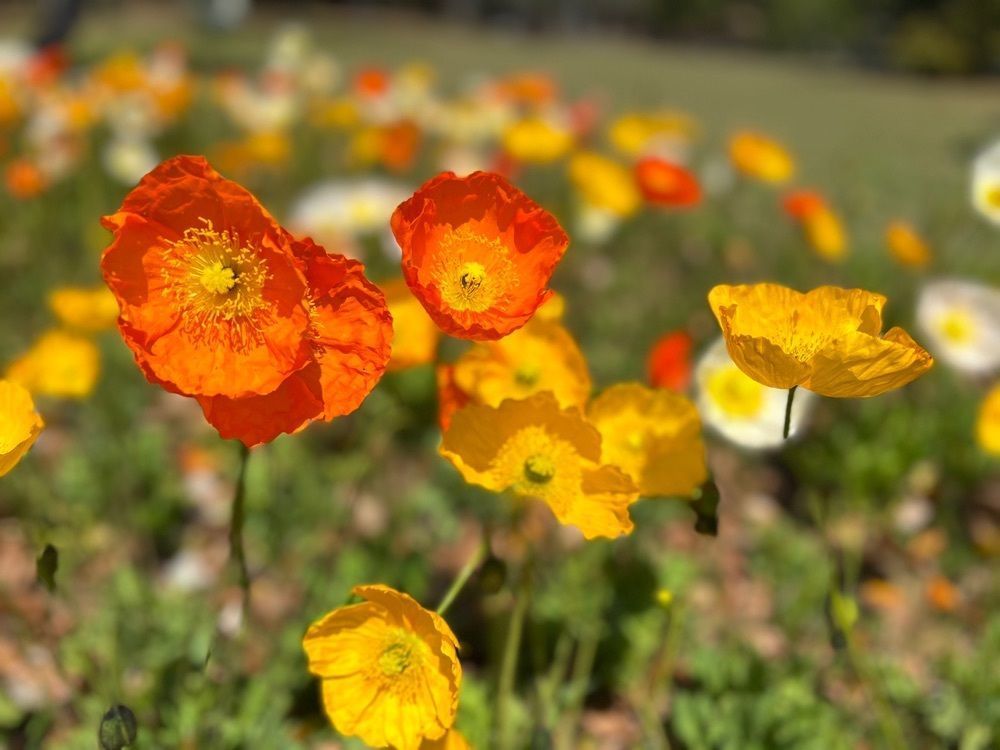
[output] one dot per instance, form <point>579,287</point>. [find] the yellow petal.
<point>20,424</point>
<point>859,365</point>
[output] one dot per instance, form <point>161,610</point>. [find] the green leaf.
<point>706,509</point>
<point>46,567</point>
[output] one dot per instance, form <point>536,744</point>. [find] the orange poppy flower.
<point>799,204</point>
<point>24,179</point>
<point>220,303</point>
<point>669,363</point>
<point>371,82</point>
<point>664,184</point>
<point>451,398</point>
<point>478,253</point>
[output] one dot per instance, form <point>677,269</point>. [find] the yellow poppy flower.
<point>825,232</point>
<point>388,667</point>
<point>454,740</point>
<point>654,435</point>
<point>828,340</point>
<point>414,335</point>
<point>534,449</point>
<point>537,140</point>
<point>988,423</point>
<point>540,356</point>
<point>60,364</point>
<point>906,246</point>
<point>84,309</point>
<point>604,183</point>
<point>20,424</point>
<point>552,310</point>
<point>636,134</point>
<point>760,157</point>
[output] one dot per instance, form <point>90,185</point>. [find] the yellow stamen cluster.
<point>473,272</point>
<point>218,285</point>
<point>735,393</point>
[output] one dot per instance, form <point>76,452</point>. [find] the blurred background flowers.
<point>850,597</point>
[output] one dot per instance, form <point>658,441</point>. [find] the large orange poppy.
<point>220,303</point>
<point>478,253</point>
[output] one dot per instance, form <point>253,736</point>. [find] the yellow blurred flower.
<point>84,309</point>
<point>988,422</point>
<point>755,155</point>
<point>454,740</point>
<point>60,364</point>
<point>825,233</point>
<point>654,435</point>
<point>541,356</point>
<point>906,246</point>
<point>552,310</point>
<point>535,449</point>
<point>537,140</point>
<point>828,340</point>
<point>662,133</point>
<point>414,335</point>
<point>20,424</point>
<point>389,670</point>
<point>339,113</point>
<point>604,183</point>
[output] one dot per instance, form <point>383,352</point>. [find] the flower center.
<point>217,278</point>
<point>735,393</point>
<point>397,656</point>
<point>539,469</point>
<point>217,283</point>
<point>957,327</point>
<point>634,440</point>
<point>527,375</point>
<point>473,272</point>
<point>993,196</point>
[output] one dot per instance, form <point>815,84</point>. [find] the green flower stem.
<point>511,650</point>
<point>788,411</point>
<point>474,561</point>
<point>236,551</point>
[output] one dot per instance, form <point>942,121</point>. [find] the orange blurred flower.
<point>371,82</point>
<point>878,593</point>
<point>821,225</point>
<point>532,89</point>
<point>942,594</point>
<point>451,398</point>
<point>669,363</point>
<point>664,184</point>
<point>477,252</point>
<point>906,246</point>
<point>24,179</point>
<point>220,303</point>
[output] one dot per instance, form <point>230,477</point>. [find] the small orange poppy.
<point>666,184</point>
<point>478,253</point>
<point>24,179</point>
<point>799,204</point>
<point>220,303</point>
<point>669,363</point>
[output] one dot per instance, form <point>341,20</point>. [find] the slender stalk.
<point>788,411</point>
<point>236,551</point>
<point>511,650</point>
<point>583,666</point>
<point>888,722</point>
<point>474,561</point>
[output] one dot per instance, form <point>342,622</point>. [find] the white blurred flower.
<point>127,160</point>
<point>595,225</point>
<point>739,408</point>
<point>462,160</point>
<point>962,322</point>
<point>14,56</point>
<point>986,183</point>
<point>337,210</point>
